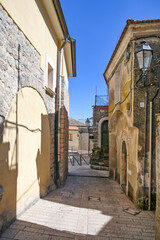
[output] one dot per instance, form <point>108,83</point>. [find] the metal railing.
<point>101,100</point>
<point>79,159</point>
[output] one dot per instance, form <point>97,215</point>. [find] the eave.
<point>128,23</point>
<point>59,27</point>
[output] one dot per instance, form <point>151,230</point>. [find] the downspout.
<point>58,109</point>
<point>150,156</point>
<point>145,147</point>
<point>151,147</point>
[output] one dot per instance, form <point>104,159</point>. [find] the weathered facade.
<point>131,148</point>
<point>85,140</point>
<point>100,132</point>
<point>34,73</point>
<point>158,176</point>
<point>74,135</point>
<point>80,137</point>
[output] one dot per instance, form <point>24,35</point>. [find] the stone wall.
<point>63,164</point>
<point>139,122</point>
<point>85,141</point>
<point>158,177</point>
<point>20,67</point>
<point>99,112</point>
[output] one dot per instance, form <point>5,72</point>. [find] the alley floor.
<point>90,207</point>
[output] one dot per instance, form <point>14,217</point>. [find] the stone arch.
<point>27,131</point>
<point>99,129</point>
<point>117,124</point>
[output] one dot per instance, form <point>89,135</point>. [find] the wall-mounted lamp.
<point>87,122</point>
<point>144,56</point>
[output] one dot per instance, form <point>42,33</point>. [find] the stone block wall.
<point>85,141</point>
<point>158,177</point>
<point>139,122</point>
<point>63,164</point>
<point>20,67</point>
<point>99,112</point>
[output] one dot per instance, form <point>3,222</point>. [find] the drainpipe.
<point>58,108</point>
<point>150,156</point>
<point>151,147</point>
<point>145,146</point>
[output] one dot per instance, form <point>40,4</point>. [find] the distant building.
<point>74,135</point>
<point>80,135</point>
<point>100,122</point>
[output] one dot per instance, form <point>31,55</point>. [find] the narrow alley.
<point>89,206</point>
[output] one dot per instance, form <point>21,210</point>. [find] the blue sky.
<point>97,25</point>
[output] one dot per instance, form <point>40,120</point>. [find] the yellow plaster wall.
<point>25,152</point>
<point>124,126</point>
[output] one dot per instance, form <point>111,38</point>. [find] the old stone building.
<point>158,176</point>
<point>100,122</point>
<point>74,135</point>
<point>80,137</point>
<point>37,55</point>
<point>131,112</point>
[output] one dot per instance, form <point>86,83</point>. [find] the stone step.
<point>100,163</point>
<point>98,167</point>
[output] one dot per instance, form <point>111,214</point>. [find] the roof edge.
<point>128,22</point>
<point>61,18</point>
<point>73,53</point>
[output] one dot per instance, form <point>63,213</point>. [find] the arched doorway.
<point>27,135</point>
<point>104,134</point>
<point>124,167</point>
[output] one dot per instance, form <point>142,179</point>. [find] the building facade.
<point>100,123</point>
<point>80,137</point>
<point>131,147</point>
<point>37,56</point>
<point>74,135</point>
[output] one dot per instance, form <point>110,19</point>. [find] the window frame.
<point>70,137</point>
<point>50,90</point>
<point>117,88</point>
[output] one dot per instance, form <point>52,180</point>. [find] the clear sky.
<point>97,25</point>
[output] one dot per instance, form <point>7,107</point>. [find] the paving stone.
<point>58,217</point>
<point>10,233</point>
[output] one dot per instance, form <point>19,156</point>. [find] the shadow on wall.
<point>42,160</point>
<point>24,156</point>
<point>8,182</point>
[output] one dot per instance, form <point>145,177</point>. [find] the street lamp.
<point>87,122</point>
<point>144,56</point>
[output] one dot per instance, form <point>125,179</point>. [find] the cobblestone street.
<point>90,207</point>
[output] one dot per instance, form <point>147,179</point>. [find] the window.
<point>117,91</point>
<point>70,137</point>
<point>50,76</point>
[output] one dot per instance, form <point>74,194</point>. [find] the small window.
<point>117,90</point>
<point>50,76</point>
<point>70,137</point>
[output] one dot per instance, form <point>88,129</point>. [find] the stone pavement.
<point>85,170</point>
<point>89,208</point>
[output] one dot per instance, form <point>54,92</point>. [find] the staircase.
<point>100,162</point>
